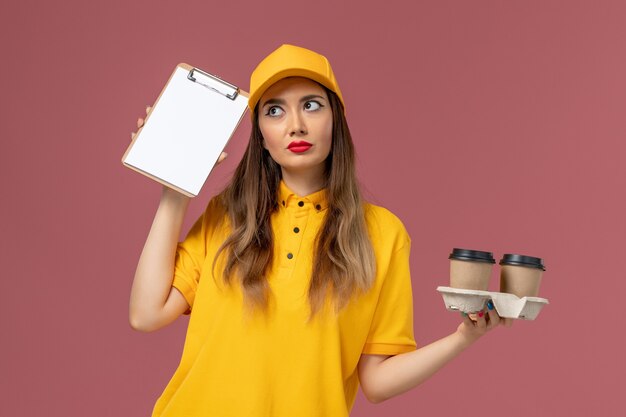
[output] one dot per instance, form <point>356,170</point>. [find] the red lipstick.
<point>299,146</point>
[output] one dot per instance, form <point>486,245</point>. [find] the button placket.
<point>297,220</point>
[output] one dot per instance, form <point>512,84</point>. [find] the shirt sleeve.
<point>190,256</point>
<point>391,331</point>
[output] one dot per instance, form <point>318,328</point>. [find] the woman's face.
<point>296,121</point>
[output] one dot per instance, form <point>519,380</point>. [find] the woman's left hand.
<point>478,324</point>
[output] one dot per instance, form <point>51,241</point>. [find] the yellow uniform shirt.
<point>237,365</point>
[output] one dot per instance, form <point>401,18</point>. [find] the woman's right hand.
<point>141,121</point>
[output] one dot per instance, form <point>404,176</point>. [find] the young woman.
<point>298,290</point>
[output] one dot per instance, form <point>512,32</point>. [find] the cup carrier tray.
<point>507,305</point>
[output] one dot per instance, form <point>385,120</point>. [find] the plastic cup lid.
<point>472,255</point>
<point>522,260</point>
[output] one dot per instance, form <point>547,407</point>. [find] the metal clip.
<point>213,82</point>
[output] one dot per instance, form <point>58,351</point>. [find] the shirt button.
<point>301,203</point>
<point>289,255</point>
<point>296,230</point>
<point>317,206</point>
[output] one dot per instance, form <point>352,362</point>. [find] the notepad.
<point>191,122</point>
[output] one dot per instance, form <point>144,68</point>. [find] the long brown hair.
<point>343,261</point>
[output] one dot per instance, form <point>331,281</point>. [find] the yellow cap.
<point>291,61</point>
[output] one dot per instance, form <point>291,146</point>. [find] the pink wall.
<point>496,125</point>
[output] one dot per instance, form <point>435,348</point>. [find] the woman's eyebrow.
<point>310,97</point>
<point>274,101</point>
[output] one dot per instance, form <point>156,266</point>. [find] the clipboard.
<point>189,125</point>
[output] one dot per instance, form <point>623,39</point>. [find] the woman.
<point>298,290</point>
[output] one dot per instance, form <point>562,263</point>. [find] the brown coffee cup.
<point>521,275</point>
<point>470,269</point>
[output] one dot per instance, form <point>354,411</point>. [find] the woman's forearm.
<point>398,374</point>
<point>155,270</point>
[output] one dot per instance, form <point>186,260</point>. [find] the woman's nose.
<point>298,126</point>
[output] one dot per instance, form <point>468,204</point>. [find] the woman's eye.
<point>274,111</point>
<point>312,105</point>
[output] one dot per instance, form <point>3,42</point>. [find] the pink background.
<point>494,125</point>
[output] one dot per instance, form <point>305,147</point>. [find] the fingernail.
<point>490,305</point>
<point>481,313</point>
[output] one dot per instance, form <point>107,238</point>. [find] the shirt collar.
<point>287,198</point>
